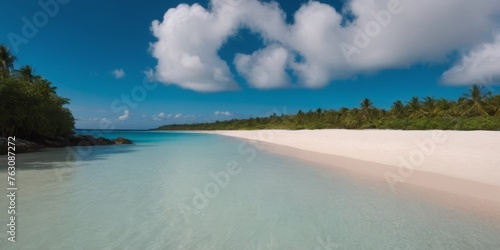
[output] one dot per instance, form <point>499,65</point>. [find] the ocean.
<point>201,191</point>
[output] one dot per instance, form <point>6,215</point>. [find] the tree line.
<point>29,104</point>
<point>476,110</point>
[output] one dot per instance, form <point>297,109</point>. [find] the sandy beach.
<point>460,162</point>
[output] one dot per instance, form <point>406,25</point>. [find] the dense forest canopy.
<point>29,104</point>
<point>475,110</point>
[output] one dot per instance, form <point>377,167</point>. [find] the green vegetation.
<point>29,105</point>
<point>476,110</point>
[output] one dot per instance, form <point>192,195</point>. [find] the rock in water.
<point>103,141</point>
<point>23,146</point>
<point>122,140</point>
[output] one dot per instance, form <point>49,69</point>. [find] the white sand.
<point>472,156</point>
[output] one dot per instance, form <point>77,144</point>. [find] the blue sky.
<point>85,41</point>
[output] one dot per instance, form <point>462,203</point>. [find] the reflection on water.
<point>191,191</point>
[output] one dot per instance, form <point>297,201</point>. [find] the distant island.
<point>475,110</point>
<point>31,111</point>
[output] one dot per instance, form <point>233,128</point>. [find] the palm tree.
<point>429,106</point>
<point>461,105</point>
<point>6,61</point>
<point>351,119</point>
<point>494,104</point>
<point>319,111</point>
<point>367,108</point>
<point>475,101</point>
<point>343,111</point>
<point>398,109</point>
<point>46,85</point>
<point>413,107</point>
<point>448,107</point>
<point>27,73</point>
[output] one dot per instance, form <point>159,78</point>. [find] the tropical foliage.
<point>475,110</point>
<point>29,105</point>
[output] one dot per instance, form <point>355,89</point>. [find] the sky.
<point>129,64</point>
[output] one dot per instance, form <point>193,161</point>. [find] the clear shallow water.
<point>161,193</point>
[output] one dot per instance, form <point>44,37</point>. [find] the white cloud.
<point>162,116</point>
<point>188,40</point>
<point>118,73</point>
<point>480,66</point>
<point>179,116</point>
<point>124,116</point>
<point>384,35</point>
<point>222,113</point>
<point>264,69</point>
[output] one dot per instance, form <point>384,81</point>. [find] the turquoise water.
<point>197,191</point>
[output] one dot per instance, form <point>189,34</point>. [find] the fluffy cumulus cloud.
<point>479,66</point>
<point>320,46</point>
<point>118,73</point>
<point>188,40</point>
<point>124,116</point>
<point>264,69</point>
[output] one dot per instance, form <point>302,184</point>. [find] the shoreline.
<point>477,185</point>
